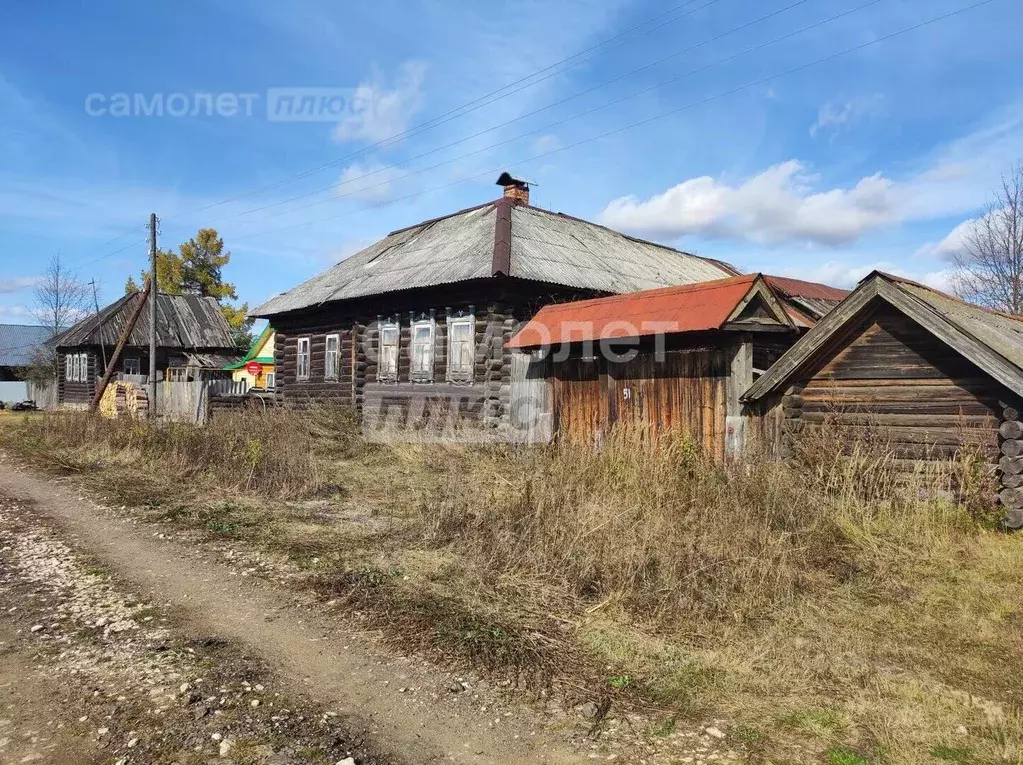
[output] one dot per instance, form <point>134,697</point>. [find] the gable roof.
<point>254,350</point>
<point>690,308</point>
<point>18,343</point>
<point>811,299</point>
<point>506,238</point>
<point>182,321</point>
<point>991,340</point>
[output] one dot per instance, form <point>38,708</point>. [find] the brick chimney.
<point>514,188</point>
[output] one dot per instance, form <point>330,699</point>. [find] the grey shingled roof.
<point>545,246</point>
<point>18,342</point>
<point>182,321</point>
<point>991,340</point>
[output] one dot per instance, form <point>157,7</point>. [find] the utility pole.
<point>95,301</point>
<point>154,292</point>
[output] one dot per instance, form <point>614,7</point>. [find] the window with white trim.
<point>271,380</point>
<point>302,359</point>
<point>131,365</point>
<point>76,365</point>
<point>331,357</point>
<point>421,349</point>
<point>387,364</point>
<point>68,361</point>
<point>461,347</point>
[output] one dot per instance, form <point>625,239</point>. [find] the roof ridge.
<point>904,280</point>
<point>430,221</point>
<point>633,238</point>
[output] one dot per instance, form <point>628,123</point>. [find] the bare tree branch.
<point>989,267</point>
<point>61,299</point>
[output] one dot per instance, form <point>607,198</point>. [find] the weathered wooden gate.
<point>686,390</point>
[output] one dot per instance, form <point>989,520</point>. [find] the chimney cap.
<point>506,180</point>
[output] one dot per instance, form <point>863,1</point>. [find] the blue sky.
<point>872,159</point>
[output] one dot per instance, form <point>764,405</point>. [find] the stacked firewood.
<point>1011,463</point>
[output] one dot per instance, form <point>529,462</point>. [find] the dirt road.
<point>402,711</point>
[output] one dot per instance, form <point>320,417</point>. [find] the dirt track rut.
<point>305,649</point>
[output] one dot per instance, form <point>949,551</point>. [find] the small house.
<point>415,325</point>
<point>921,373</point>
<point>256,369</point>
<point>675,358</point>
<point>193,341</point>
<point>20,346</point>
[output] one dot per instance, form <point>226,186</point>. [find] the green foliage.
<point>839,755</point>
<point>664,728</point>
<point>951,753</point>
<point>197,269</point>
<point>620,682</point>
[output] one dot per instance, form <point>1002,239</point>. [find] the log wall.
<point>499,305</point>
<point>890,385</point>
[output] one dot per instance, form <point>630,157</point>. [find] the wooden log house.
<point>414,327</point>
<point>192,338</point>
<point>920,372</point>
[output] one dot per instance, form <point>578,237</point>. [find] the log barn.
<point>675,358</point>
<point>917,371</point>
<point>414,326</point>
<point>192,338</point>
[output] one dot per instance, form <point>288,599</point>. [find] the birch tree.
<point>988,268</point>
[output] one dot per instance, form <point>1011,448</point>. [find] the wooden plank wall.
<point>890,383</point>
<point>687,390</point>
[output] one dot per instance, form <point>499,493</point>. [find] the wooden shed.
<point>917,371</point>
<point>677,358</point>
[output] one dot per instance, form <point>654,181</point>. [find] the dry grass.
<point>270,453</point>
<point>847,609</point>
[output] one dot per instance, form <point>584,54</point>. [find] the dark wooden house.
<point>192,339</point>
<point>415,325</point>
<point>917,371</point>
<point>676,358</point>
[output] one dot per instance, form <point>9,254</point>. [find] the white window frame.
<point>270,381</point>
<point>417,374</point>
<point>299,353</point>
<point>69,360</point>
<point>138,365</point>
<point>78,367</point>
<point>332,371</point>
<point>461,375</point>
<point>385,374</point>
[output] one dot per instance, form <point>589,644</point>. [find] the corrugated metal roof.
<point>991,340</point>
<point>998,331</point>
<point>545,246</point>
<point>811,299</point>
<point>558,248</point>
<point>690,308</point>
<point>182,321</point>
<point>18,342</point>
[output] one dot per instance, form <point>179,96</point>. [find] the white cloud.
<point>379,112</point>
<point>371,181</point>
<point>951,245</point>
<point>7,286</point>
<point>783,204</point>
<point>770,208</point>
<point>16,312</point>
<point>835,116</point>
<point>847,275</point>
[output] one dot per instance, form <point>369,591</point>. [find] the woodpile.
<point>1010,434</point>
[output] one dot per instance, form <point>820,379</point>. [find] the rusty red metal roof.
<point>689,308</point>
<point>799,288</point>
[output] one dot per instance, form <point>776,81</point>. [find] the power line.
<point>480,102</point>
<point>645,121</point>
<point>559,102</point>
<point>557,123</point>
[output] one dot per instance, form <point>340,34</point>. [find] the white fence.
<point>189,401</point>
<point>45,394</point>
